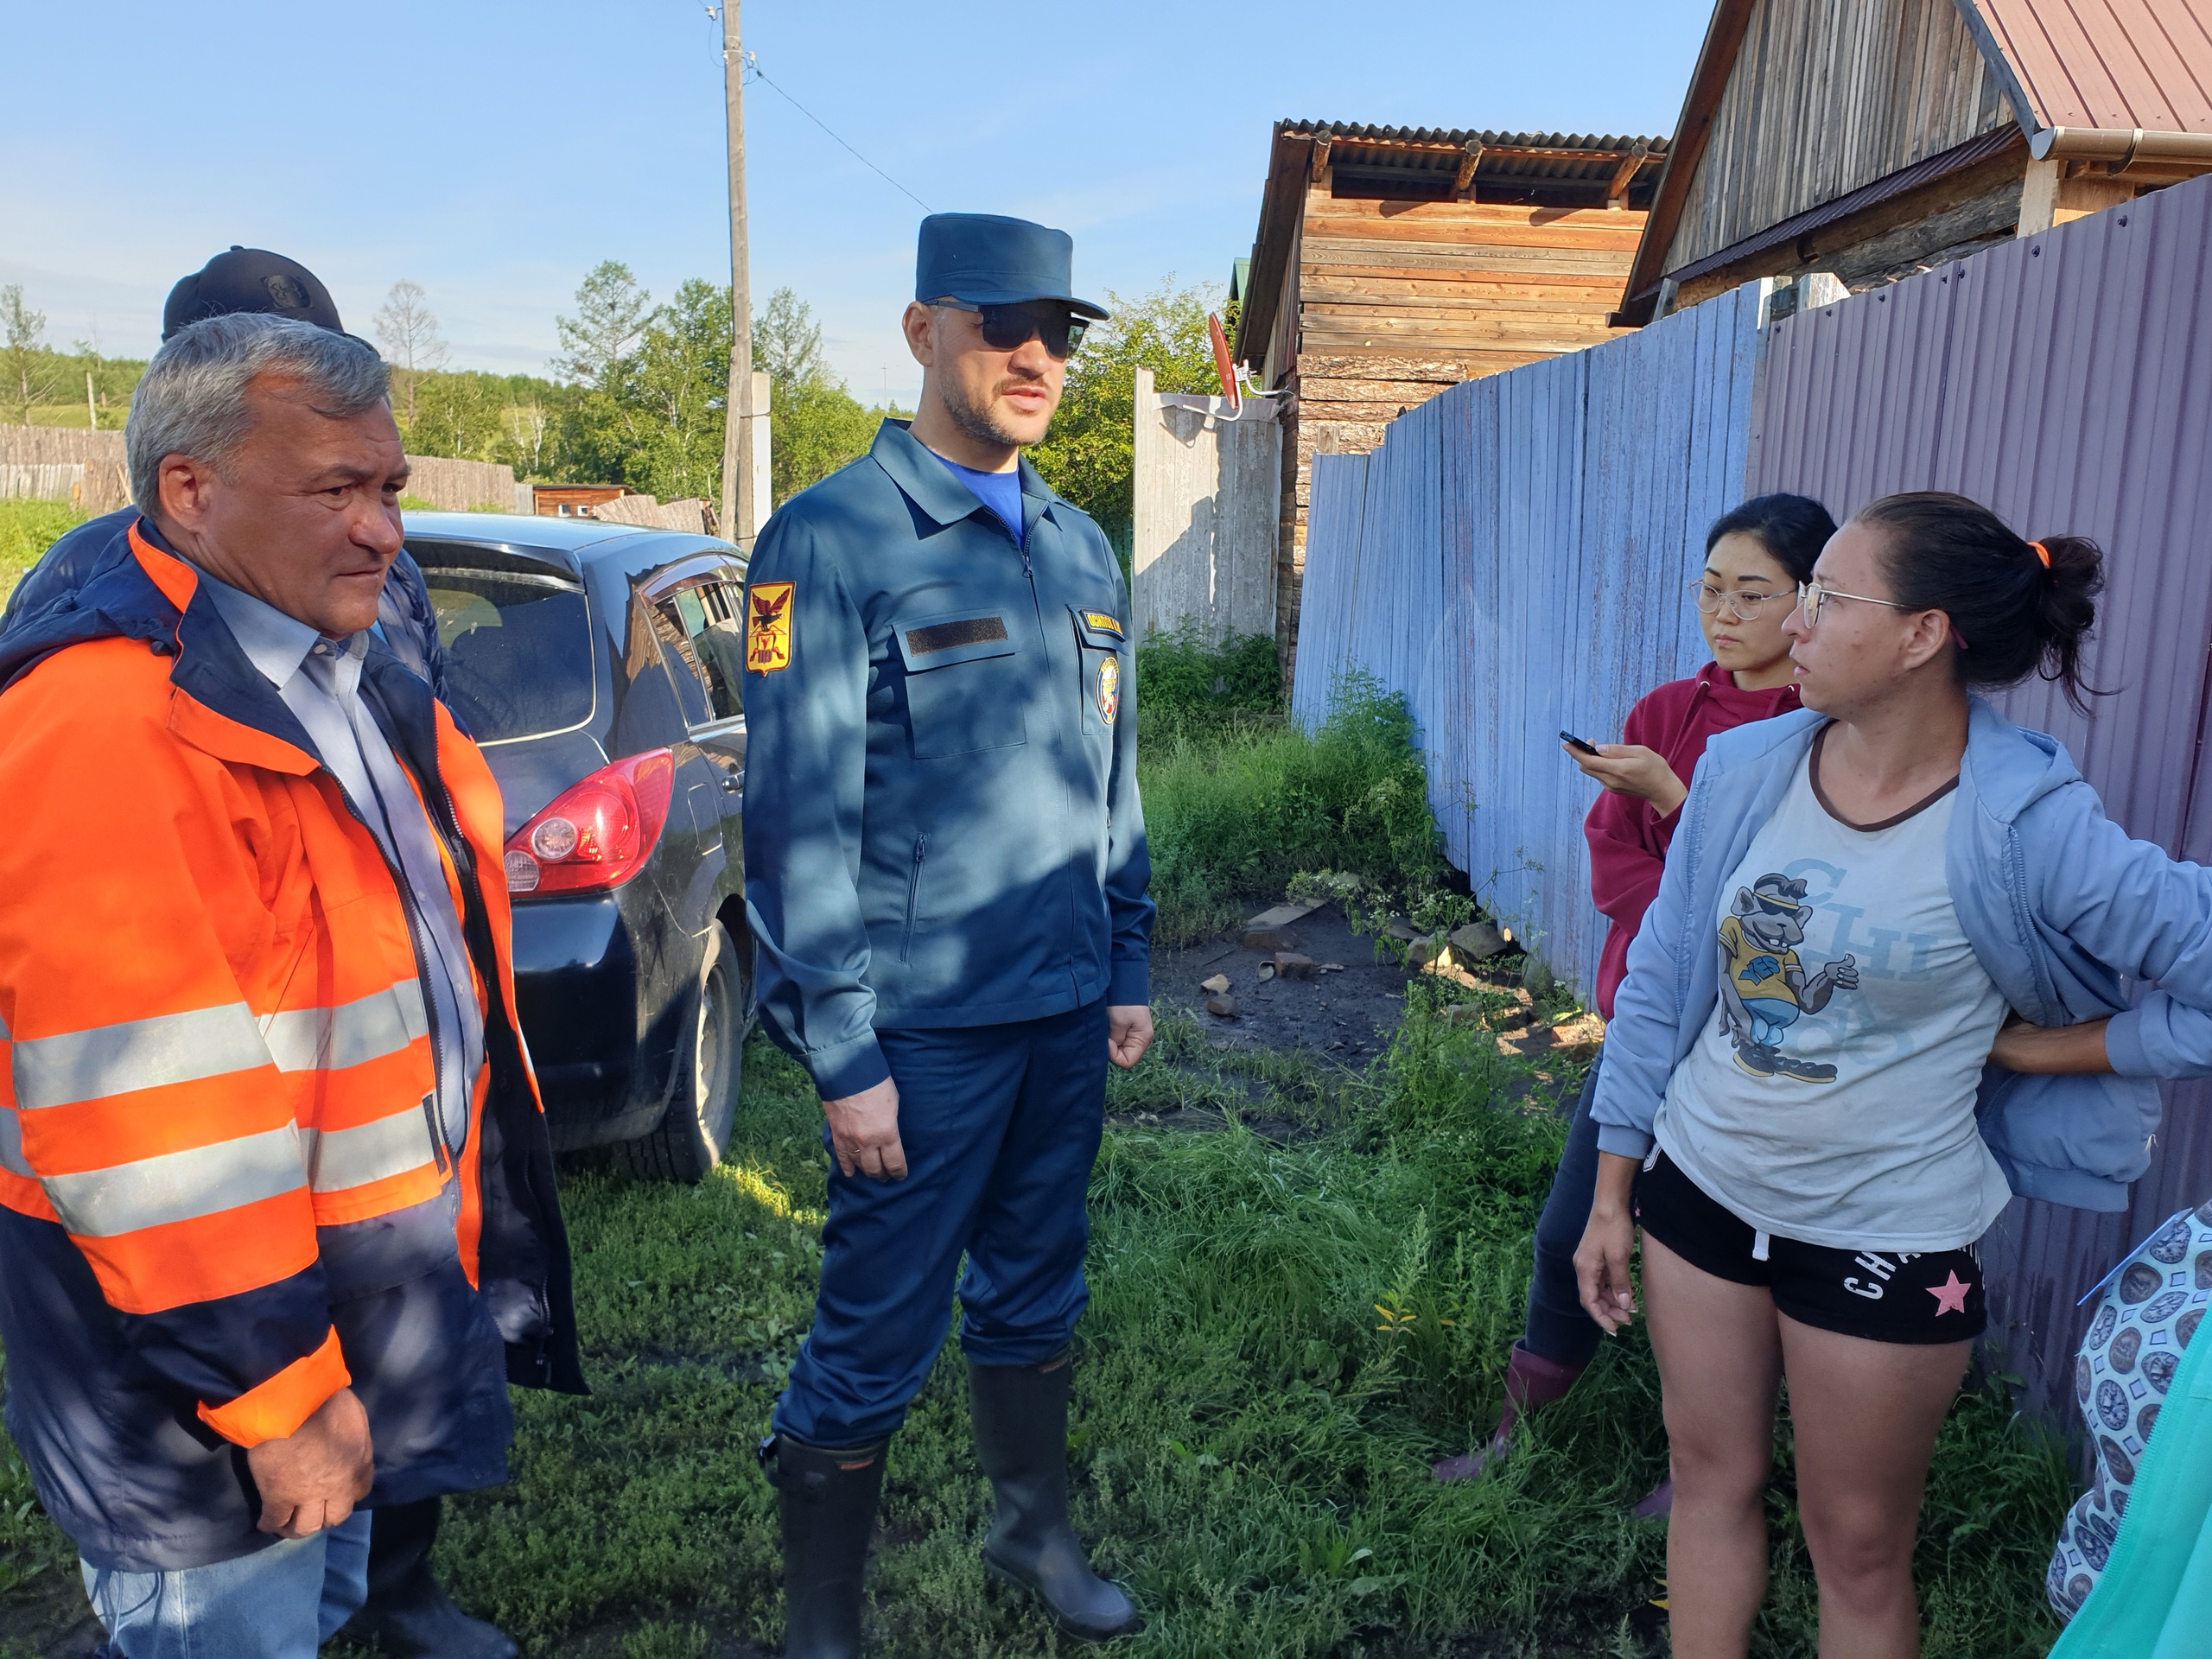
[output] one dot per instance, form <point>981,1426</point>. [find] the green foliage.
<point>610,321</point>
<point>1088,455</point>
<point>26,530</point>
<point>645,405</point>
<point>26,374</point>
<point>815,424</point>
<point>680,387</point>
<point>56,383</point>
<point>1238,810</point>
<point>1186,684</point>
<point>650,385</point>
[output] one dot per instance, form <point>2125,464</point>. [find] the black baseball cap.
<point>250,280</point>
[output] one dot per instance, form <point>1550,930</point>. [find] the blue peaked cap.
<point>986,259</point>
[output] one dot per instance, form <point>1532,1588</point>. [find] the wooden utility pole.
<point>740,514</point>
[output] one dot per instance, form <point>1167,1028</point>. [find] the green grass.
<point>1237,805</point>
<point>26,530</point>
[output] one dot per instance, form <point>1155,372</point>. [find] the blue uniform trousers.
<point>1000,1124</point>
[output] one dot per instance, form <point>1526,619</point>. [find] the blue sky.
<point>495,153</point>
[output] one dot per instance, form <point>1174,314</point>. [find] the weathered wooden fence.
<point>1515,558</point>
<point>32,457</point>
<point>61,463</point>
<point>461,486</point>
<point>1204,514</point>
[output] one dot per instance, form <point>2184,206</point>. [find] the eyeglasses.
<point>1009,327</point>
<point>1746,606</point>
<point>1811,595</point>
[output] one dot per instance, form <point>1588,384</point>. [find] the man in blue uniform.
<point>945,877</point>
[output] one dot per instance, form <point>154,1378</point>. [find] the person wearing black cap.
<point>241,280</point>
<point>945,879</point>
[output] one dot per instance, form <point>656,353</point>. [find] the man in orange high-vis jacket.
<point>277,1221</point>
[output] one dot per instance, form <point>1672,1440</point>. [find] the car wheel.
<point>694,1132</point>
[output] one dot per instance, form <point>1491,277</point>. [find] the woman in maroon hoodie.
<point>1754,556</point>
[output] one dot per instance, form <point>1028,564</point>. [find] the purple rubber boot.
<point>1530,1381</point>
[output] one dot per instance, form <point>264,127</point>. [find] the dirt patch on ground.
<point>1345,1015</point>
<point>48,1617</point>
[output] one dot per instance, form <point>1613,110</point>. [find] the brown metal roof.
<point>2122,64</point>
<point>1957,159</point>
<point>2119,80</point>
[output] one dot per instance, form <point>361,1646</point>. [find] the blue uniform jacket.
<point>940,818</point>
<point>2070,917</point>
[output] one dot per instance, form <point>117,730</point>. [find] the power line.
<point>753,62</point>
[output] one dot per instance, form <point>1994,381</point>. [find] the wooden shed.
<point>1864,140</point>
<point>1393,261</point>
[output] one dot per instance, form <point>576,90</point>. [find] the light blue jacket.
<point>2070,917</point>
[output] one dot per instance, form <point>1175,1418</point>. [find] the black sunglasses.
<point>1008,328</point>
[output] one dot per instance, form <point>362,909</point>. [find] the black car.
<point>600,667</point>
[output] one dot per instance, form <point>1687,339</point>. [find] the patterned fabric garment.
<point>2151,1308</point>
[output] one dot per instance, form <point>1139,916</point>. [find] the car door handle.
<point>734,782</point>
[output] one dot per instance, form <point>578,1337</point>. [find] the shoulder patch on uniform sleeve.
<point>768,627</point>
<point>1105,622</point>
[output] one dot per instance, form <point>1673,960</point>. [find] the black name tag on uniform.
<point>944,636</point>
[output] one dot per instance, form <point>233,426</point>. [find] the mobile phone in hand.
<point>1574,742</point>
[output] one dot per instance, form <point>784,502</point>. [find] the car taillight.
<point>597,832</point>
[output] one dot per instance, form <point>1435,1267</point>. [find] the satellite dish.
<point>1223,365</point>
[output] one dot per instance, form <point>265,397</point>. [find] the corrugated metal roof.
<point>1956,159</point>
<point>2106,63</point>
<point>1582,157</point>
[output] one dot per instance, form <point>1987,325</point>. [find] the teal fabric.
<point>2155,1598</point>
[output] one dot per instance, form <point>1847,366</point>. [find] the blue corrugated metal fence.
<point>1515,558</point>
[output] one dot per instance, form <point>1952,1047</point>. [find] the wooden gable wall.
<point>1395,301</point>
<point>1826,96</point>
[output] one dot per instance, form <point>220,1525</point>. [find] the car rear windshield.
<point>518,645</point>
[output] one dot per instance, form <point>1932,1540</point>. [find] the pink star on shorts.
<point>1950,1296</point>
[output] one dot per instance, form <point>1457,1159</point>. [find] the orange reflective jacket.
<point>223,1191</point>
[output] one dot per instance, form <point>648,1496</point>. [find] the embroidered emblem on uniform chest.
<point>1110,687</point>
<point>768,627</point>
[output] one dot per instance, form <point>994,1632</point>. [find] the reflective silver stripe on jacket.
<point>367,1028</point>
<point>179,1185</point>
<point>338,1158</point>
<point>92,1064</point>
<point>11,1146</point>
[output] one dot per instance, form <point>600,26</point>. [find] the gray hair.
<point>192,399</point>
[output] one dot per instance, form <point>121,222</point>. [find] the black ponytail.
<point>1792,528</point>
<point>2017,607</point>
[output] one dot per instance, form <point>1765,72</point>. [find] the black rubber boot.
<point>1020,1416</point>
<point>827,1498</point>
<point>408,1613</point>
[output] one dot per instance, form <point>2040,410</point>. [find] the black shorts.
<point>1880,1295</point>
